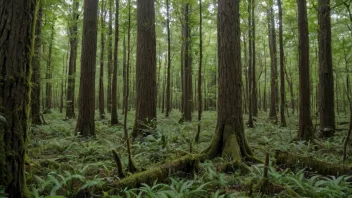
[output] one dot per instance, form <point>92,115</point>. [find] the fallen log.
<point>289,160</point>
<point>188,164</point>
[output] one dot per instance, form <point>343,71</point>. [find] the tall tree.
<point>49,73</point>
<point>200,105</point>
<point>187,68</point>
<point>145,67</point>
<point>305,131</point>
<point>282,74</point>
<point>254,79</point>
<point>168,88</point>
<point>229,139</point>
<point>16,24</point>
<point>35,95</point>
<point>114,117</point>
<point>326,76</point>
<point>273,57</point>
<point>110,63</point>
<point>85,122</point>
<point>71,82</point>
<point>101,76</point>
<point>250,71</point>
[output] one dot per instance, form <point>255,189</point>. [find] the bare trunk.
<point>101,76</point>
<point>114,102</point>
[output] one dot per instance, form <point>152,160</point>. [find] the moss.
<point>231,148</point>
<point>288,160</point>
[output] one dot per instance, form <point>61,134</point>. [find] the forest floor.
<point>60,164</point>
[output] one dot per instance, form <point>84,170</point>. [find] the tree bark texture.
<point>114,101</point>
<point>17,22</point>
<point>326,75</point>
<point>85,122</point>
<point>145,67</point>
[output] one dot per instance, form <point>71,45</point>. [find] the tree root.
<point>288,160</point>
<point>233,166</point>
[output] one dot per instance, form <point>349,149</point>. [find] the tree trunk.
<point>250,123</point>
<point>70,100</point>
<point>168,88</point>
<point>85,122</point>
<point>229,139</point>
<point>264,94</point>
<point>114,117</point>
<point>145,68</point>
<point>326,76</point>
<point>36,88</point>
<point>305,131</point>
<point>282,73</point>
<point>200,105</point>
<point>101,76</point>
<point>254,79</point>
<point>273,57</point>
<point>110,63</point>
<point>17,25</point>
<point>49,71</point>
<point>187,69</point>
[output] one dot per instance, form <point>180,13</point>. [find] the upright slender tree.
<point>254,78</point>
<point>200,105</point>
<point>110,61</point>
<point>35,95</point>
<point>282,74</point>
<point>250,71</point>
<point>168,80</point>
<point>17,22</point>
<point>101,76</point>
<point>326,76</point>
<point>229,139</point>
<point>305,131</point>
<point>273,57</point>
<point>71,82</point>
<point>85,122</point>
<point>114,117</point>
<point>187,68</point>
<point>49,73</point>
<point>145,67</point>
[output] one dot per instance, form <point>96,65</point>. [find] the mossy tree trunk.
<point>71,80</point>
<point>114,98</point>
<point>110,63</point>
<point>229,139</point>
<point>145,67</point>
<point>326,75</point>
<point>85,122</point>
<point>36,88</point>
<point>17,19</point>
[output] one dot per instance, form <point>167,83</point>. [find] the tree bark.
<point>273,57</point>
<point>70,100</point>
<point>101,76</point>
<point>326,76</point>
<point>17,25</point>
<point>85,122</point>
<point>49,74</point>
<point>200,105</point>
<point>305,131</point>
<point>110,61</point>
<point>145,67</point>
<point>282,73</point>
<point>229,139</point>
<point>187,68</point>
<point>168,80</point>
<point>36,88</point>
<point>254,78</point>
<point>250,123</point>
<point>114,117</point>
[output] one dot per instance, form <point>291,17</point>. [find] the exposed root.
<point>119,166</point>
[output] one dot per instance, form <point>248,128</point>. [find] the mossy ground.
<point>55,153</point>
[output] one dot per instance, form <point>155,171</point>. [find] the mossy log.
<point>288,160</point>
<point>188,164</point>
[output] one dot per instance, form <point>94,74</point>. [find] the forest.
<point>175,98</point>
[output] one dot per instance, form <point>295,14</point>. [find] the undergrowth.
<point>62,164</point>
